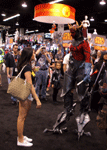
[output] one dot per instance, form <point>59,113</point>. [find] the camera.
<point>43,49</point>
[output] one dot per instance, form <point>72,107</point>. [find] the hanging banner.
<point>57,13</point>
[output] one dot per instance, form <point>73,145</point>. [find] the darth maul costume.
<point>79,69</point>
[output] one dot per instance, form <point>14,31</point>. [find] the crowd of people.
<point>44,71</point>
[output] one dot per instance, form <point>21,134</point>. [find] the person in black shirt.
<point>56,85</point>
<point>11,67</point>
<point>59,58</point>
<point>24,106</point>
<point>96,96</point>
<point>52,60</point>
<point>51,68</point>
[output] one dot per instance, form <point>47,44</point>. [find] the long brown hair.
<point>25,57</point>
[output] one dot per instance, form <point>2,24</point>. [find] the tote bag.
<point>19,88</point>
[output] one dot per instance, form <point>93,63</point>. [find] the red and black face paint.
<point>73,32</point>
<point>76,34</point>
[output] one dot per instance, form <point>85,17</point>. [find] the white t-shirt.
<point>66,60</point>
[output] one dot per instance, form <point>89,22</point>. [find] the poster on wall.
<point>99,40</point>
<point>10,40</point>
<point>66,38</point>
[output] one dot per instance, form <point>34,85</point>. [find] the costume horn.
<point>70,26</point>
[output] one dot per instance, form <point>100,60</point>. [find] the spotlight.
<point>102,2</point>
<point>3,14</point>
<point>91,19</point>
<point>24,4</point>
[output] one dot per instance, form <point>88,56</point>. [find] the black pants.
<point>47,81</point>
<point>55,93</point>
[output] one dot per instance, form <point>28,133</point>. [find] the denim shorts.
<point>30,98</point>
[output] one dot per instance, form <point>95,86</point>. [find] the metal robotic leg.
<point>82,121</point>
<point>61,120</point>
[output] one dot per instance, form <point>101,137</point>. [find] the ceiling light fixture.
<point>102,2</point>
<point>105,20</point>
<point>17,15</point>
<point>56,1</point>
<point>3,14</point>
<point>91,19</point>
<point>24,4</point>
<point>29,31</point>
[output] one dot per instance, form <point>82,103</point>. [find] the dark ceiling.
<point>83,7</point>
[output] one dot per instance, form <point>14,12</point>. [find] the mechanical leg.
<point>83,119</point>
<point>62,118</point>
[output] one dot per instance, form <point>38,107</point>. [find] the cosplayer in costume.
<point>79,69</point>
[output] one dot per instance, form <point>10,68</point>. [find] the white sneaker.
<point>25,144</point>
<point>27,139</point>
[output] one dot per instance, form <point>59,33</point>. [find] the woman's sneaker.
<point>25,143</point>
<point>27,139</point>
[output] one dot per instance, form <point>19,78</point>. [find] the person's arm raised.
<point>39,50</point>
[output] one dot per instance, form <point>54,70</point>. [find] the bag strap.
<point>19,74</point>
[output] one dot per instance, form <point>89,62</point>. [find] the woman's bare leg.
<point>24,107</point>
